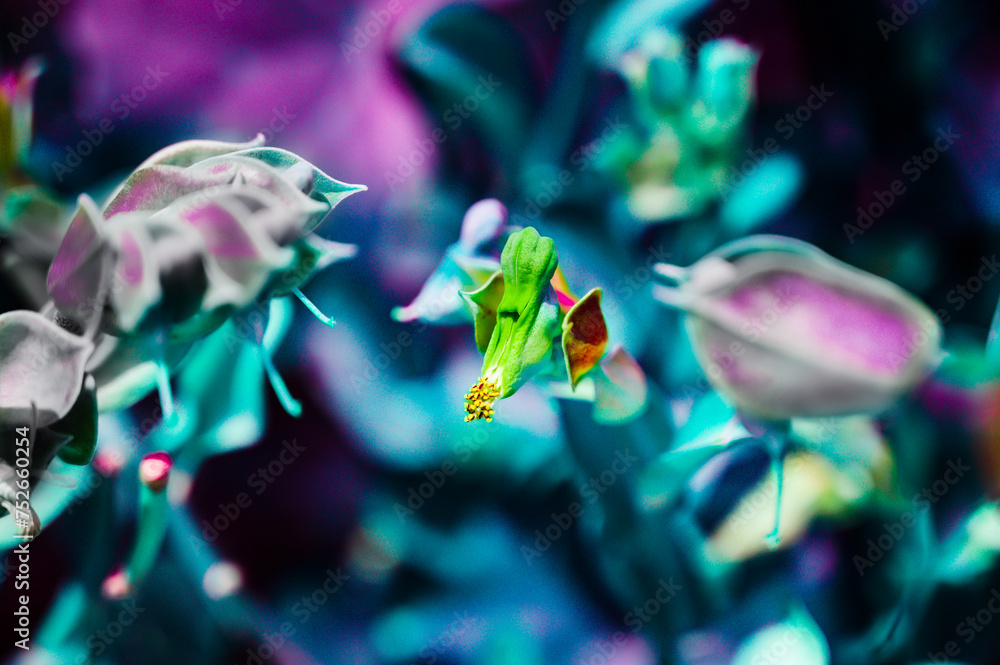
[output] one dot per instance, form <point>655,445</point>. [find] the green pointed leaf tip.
<point>525,322</point>
<point>484,303</point>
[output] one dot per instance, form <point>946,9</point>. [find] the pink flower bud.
<point>785,330</point>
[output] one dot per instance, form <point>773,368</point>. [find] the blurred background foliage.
<point>631,132</point>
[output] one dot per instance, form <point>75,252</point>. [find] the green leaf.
<point>662,481</point>
<point>484,302</point>
<point>28,211</point>
<point>80,424</point>
<point>708,431</point>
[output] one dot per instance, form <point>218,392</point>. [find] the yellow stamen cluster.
<point>479,400</point>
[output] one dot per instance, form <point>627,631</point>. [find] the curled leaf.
<point>80,272</point>
<point>483,302</point>
<point>585,335</point>
<point>41,367</point>
<point>620,388</point>
<point>482,224</point>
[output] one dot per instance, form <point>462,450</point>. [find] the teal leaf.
<point>49,500</point>
<point>125,369</point>
<point>768,191</point>
<point>439,301</point>
<point>725,86</point>
<point>796,641</point>
<point>324,188</point>
<point>483,303</point>
<point>29,212</point>
<point>626,21</point>
<point>709,430</point>
<point>312,254</point>
<point>973,549</point>
<point>80,424</point>
<point>464,53</point>
<point>620,389</point>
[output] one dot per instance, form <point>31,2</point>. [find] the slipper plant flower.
<point>202,231</point>
<point>520,313</point>
<point>520,305</point>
